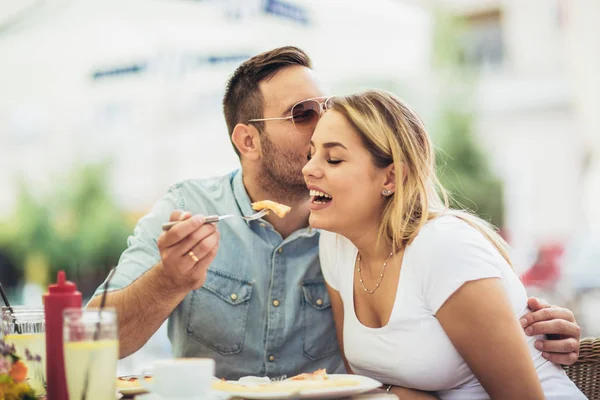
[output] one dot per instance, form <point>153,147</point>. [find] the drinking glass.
<point>24,328</point>
<point>91,349</point>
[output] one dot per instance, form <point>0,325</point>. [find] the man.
<point>251,294</point>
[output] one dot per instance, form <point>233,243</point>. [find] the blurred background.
<point>105,103</point>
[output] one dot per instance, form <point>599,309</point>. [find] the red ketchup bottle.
<point>63,294</point>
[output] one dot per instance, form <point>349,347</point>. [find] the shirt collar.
<point>241,196</point>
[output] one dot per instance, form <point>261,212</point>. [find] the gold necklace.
<point>380,275</point>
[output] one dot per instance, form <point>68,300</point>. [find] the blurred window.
<point>288,10</point>
<point>482,41</point>
<point>120,71</point>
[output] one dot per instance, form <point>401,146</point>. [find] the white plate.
<point>134,389</point>
<point>214,396</point>
<point>365,384</point>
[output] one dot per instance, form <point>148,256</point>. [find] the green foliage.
<point>447,31</point>
<point>464,171</point>
<point>463,166</point>
<point>77,227</point>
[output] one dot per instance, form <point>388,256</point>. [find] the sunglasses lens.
<point>305,116</point>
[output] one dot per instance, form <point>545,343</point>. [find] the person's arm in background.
<point>559,325</point>
<point>147,302</point>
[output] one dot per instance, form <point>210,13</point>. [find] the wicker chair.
<point>586,370</point>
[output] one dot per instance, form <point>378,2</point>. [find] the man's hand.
<point>187,250</point>
<point>562,345</point>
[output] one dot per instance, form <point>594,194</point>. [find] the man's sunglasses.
<point>305,114</point>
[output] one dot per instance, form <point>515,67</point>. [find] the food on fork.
<point>280,210</point>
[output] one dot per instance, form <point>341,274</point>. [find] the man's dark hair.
<point>243,100</point>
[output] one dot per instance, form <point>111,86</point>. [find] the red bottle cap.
<point>62,285</point>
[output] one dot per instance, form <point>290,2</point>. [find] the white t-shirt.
<point>413,350</point>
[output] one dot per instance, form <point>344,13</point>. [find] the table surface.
<point>377,394</point>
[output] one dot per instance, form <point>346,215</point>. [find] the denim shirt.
<point>263,309</point>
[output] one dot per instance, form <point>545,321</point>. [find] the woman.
<point>423,296</point>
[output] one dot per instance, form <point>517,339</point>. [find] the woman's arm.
<point>481,325</point>
<point>337,307</point>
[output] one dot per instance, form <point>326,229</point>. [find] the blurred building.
<point>582,40</point>
<point>538,97</point>
<point>140,82</point>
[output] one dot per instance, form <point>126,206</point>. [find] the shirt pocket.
<point>219,311</point>
<point>318,339</point>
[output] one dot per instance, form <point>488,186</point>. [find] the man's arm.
<point>144,305</point>
<point>562,345</point>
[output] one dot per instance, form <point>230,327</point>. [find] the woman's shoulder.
<point>448,236</point>
<point>447,228</point>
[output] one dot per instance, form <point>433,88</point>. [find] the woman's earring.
<point>386,192</point>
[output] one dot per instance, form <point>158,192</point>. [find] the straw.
<point>103,303</point>
<point>5,298</point>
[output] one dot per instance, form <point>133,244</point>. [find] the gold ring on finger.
<point>194,257</point>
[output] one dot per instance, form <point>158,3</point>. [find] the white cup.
<point>181,378</point>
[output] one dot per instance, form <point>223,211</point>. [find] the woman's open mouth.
<point>320,197</point>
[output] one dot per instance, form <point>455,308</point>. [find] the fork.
<point>216,218</point>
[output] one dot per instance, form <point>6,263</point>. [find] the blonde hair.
<point>394,134</point>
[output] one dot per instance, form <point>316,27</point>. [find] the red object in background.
<point>545,273</point>
<point>63,294</point>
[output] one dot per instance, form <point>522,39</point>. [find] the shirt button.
<point>280,250</point>
<point>233,296</point>
<point>271,358</point>
<point>276,303</point>
<point>319,302</point>
<point>263,225</point>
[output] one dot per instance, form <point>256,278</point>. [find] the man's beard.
<point>281,172</point>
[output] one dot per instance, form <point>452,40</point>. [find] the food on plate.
<point>308,381</point>
<point>131,382</point>
<point>318,375</point>
<point>280,210</point>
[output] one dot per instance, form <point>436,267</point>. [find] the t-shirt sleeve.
<point>327,256</point>
<point>454,253</point>
<point>142,250</point>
